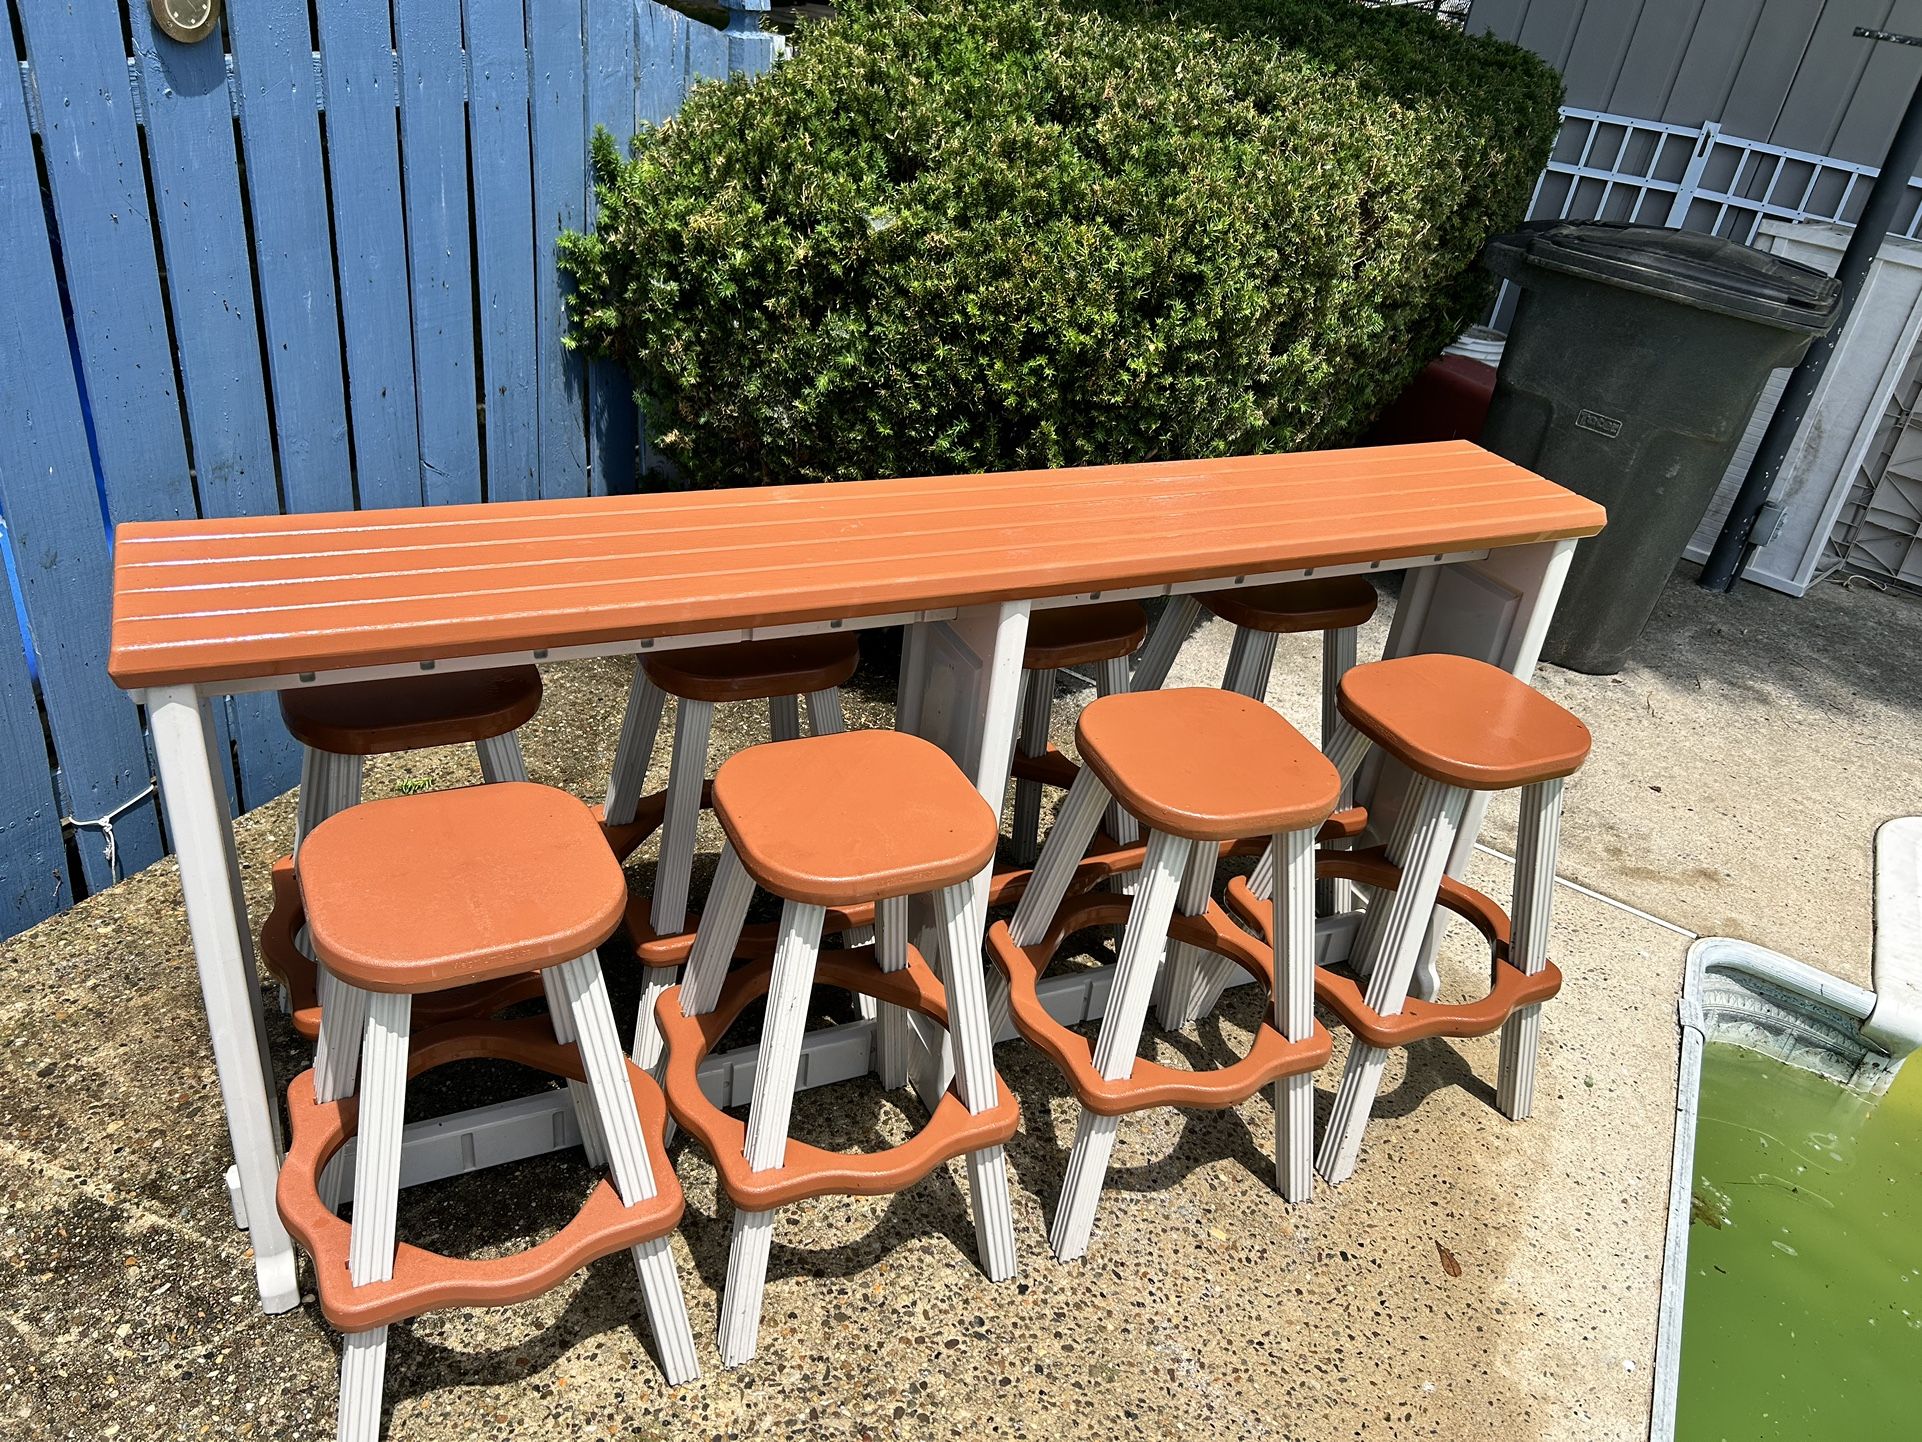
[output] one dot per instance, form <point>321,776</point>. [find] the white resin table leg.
<point>634,753</point>
<point>1037,716</point>
<point>1142,948</point>
<point>1537,840</point>
<point>1294,931</point>
<point>693,722</point>
<point>194,792</point>
<point>613,1101</point>
<point>782,1029</point>
<point>1437,810</point>
<point>370,1243</point>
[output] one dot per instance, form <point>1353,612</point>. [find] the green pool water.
<point>1803,1316</point>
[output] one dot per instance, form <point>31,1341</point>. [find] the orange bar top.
<point>206,601</point>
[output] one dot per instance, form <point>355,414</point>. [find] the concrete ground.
<point>1474,1278</point>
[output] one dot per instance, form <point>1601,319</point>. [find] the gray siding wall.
<point>1789,72</point>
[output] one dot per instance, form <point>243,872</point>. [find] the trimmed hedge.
<point>1010,233</point>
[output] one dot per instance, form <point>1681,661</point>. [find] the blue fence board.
<point>33,858</point>
<point>203,234</point>
<point>660,62</point>
<point>53,515</point>
<point>440,262</point>
<point>498,127</point>
<point>706,52</point>
<point>273,46</point>
<point>613,425</point>
<point>363,150</point>
<point>100,203</point>
<point>560,199</point>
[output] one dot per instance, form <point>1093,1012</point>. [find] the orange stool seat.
<point>1206,765</point>
<point>1149,1084</point>
<point>1331,603</point>
<point>851,817</point>
<point>411,713</point>
<point>1462,722</point>
<point>426,1281</point>
<point>421,893</point>
<point>1082,635</point>
<point>755,670</point>
<point>951,1131</point>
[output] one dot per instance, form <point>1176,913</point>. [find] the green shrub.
<point>1010,233</point>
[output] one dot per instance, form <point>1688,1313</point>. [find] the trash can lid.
<point>1705,271</point>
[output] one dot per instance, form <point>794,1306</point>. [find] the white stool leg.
<point>693,722</point>
<point>329,783</point>
<point>1111,679</point>
<point>613,1099</point>
<point>825,716</point>
<point>891,1022</point>
<point>1074,826</point>
<point>714,942</point>
<point>1157,658</point>
<point>959,939</point>
<point>1142,946</point>
<point>1250,663</point>
<point>1438,812</point>
<point>775,1072</point>
<point>1332,898</point>
<point>1176,993</point>
<point>635,751</point>
<point>343,1019</point>
<point>1037,716</point>
<point>560,1013</point>
<point>1537,840</point>
<point>501,758</point>
<point>1368,937</point>
<point>370,1244</point>
<point>784,718</point>
<point>1294,928</point>
<point>1346,752</point>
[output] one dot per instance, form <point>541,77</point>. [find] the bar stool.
<point>407,897</point>
<point>1336,606</point>
<point>1460,726</point>
<point>1195,768</point>
<point>779,672</point>
<point>1103,636</point>
<point>824,823</point>
<point>338,727</point>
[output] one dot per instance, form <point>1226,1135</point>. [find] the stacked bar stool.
<point>408,897</point>
<point>1460,726</point>
<point>779,672</point>
<point>1103,636</point>
<point>338,728</point>
<point>827,823</point>
<point>1195,768</point>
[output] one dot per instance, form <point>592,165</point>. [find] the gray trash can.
<point>1633,364</point>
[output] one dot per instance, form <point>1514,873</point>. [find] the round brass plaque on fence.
<point>186,20</point>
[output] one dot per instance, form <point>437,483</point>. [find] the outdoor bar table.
<point>211,607</point>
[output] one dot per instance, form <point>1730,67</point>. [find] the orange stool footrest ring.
<point>1151,1084</point>
<point>1510,988</point>
<point>296,971</point>
<point>951,1132</point>
<point>425,1281</point>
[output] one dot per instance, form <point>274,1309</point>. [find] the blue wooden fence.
<point>304,264</point>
